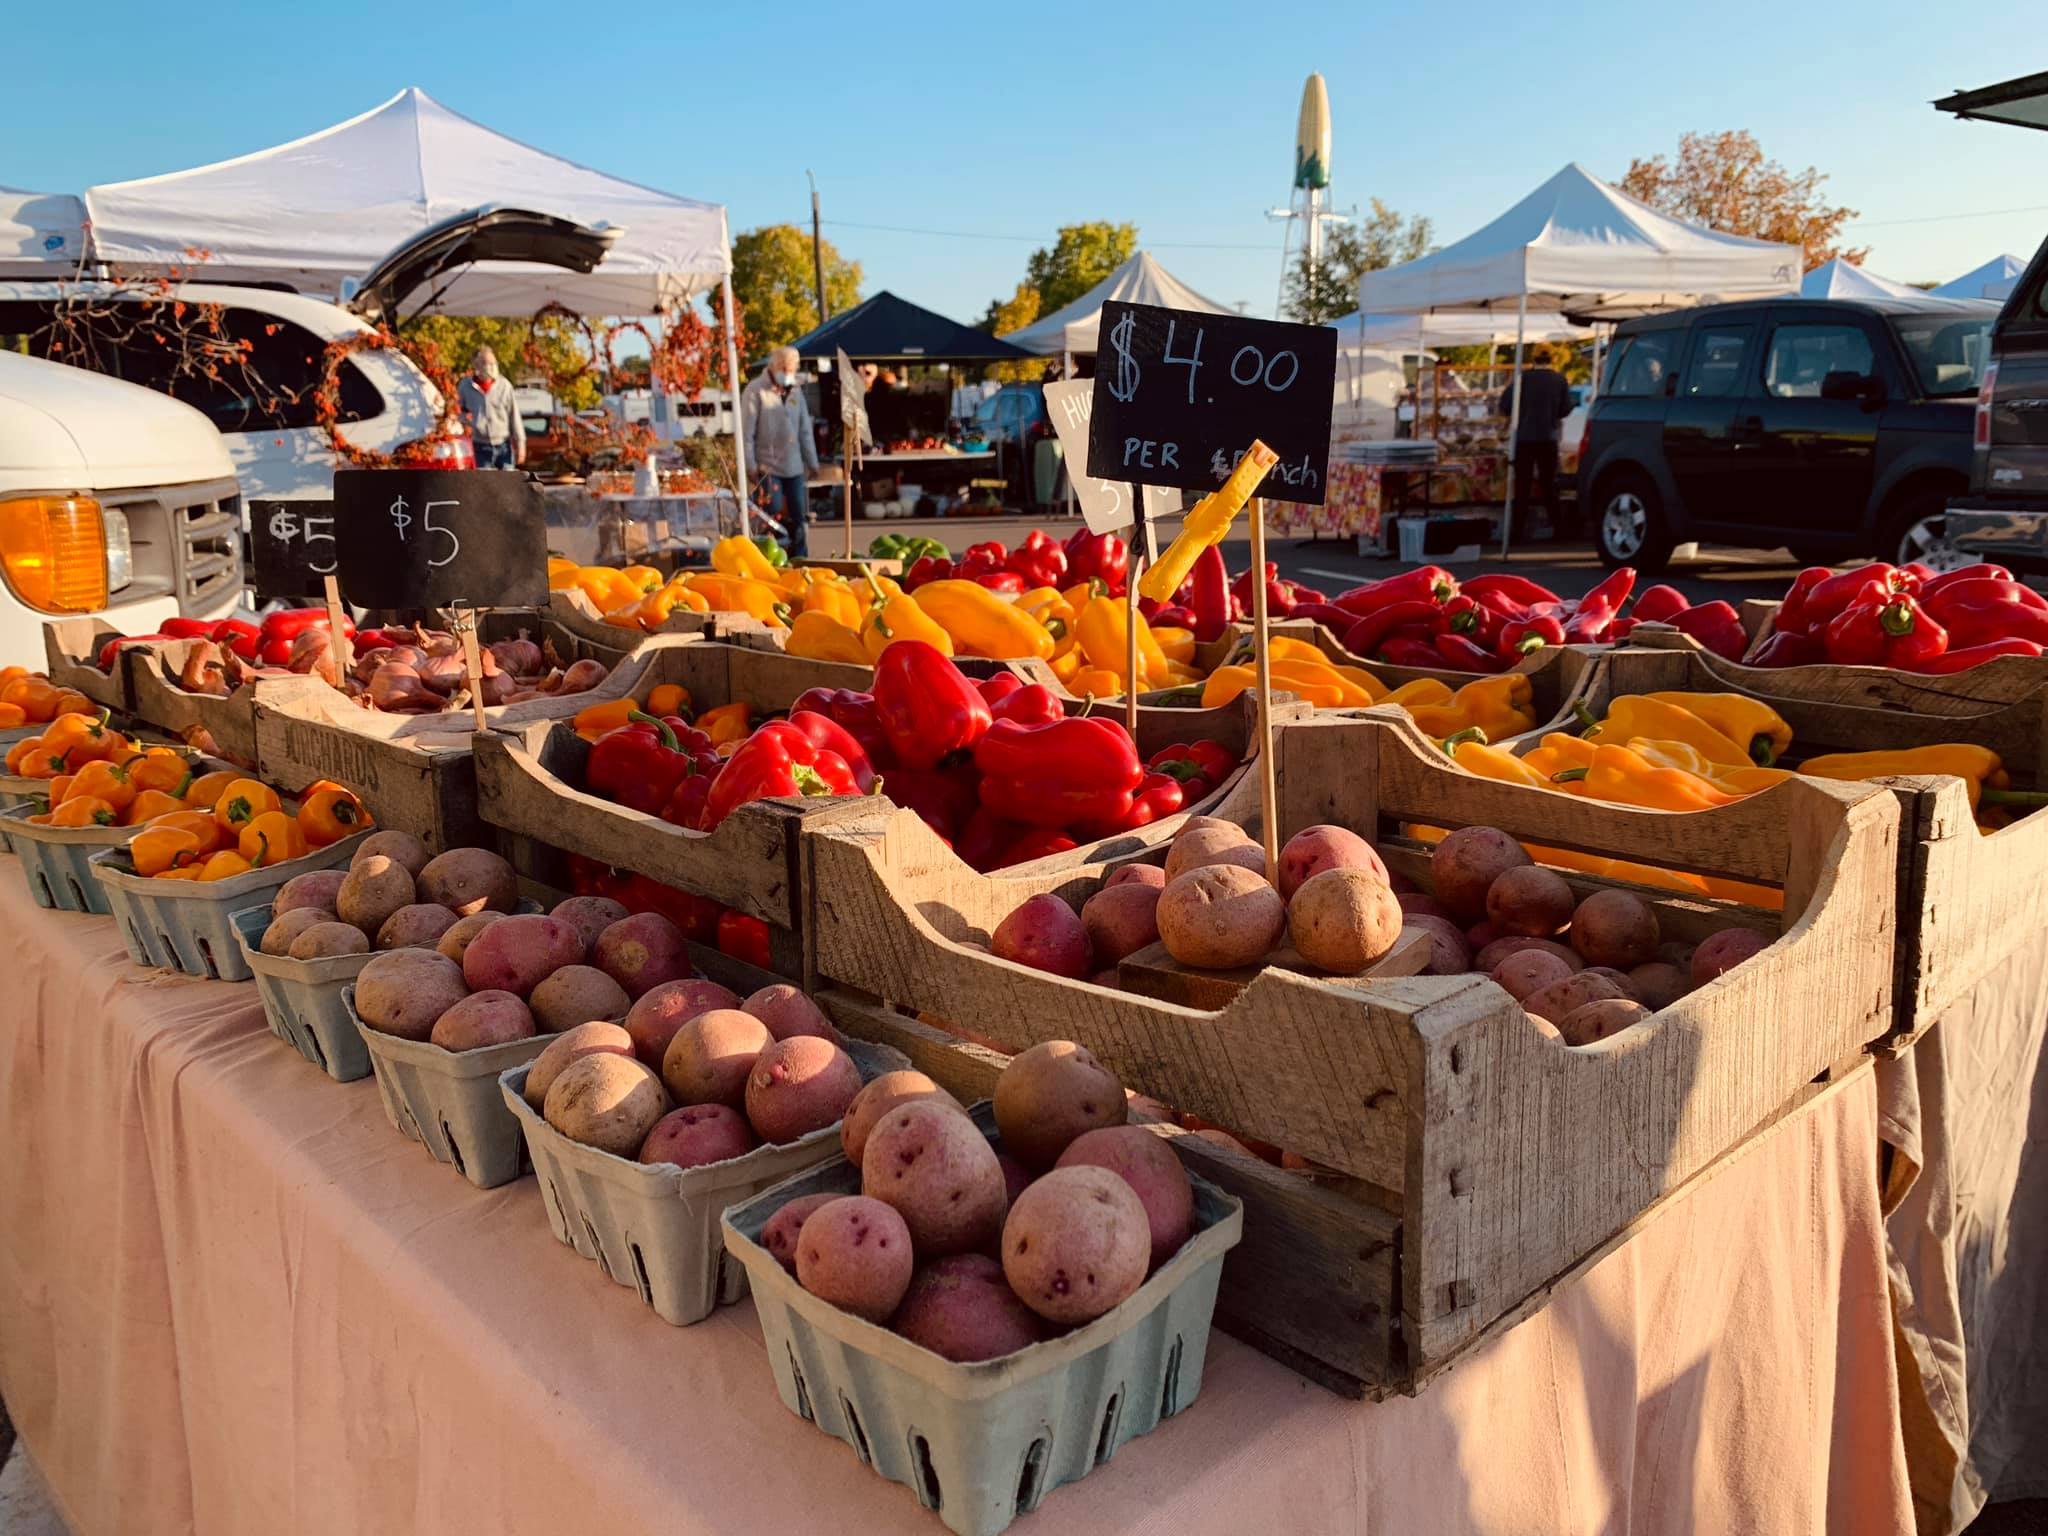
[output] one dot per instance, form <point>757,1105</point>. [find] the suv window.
<point>1717,358</point>
<point>244,370</point>
<point>1802,356</point>
<point>1642,362</point>
<point>1948,354</point>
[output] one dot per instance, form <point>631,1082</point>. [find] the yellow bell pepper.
<point>900,618</point>
<point>1423,691</point>
<point>1750,723</point>
<point>1097,683</point>
<point>981,623</point>
<point>738,556</point>
<point>596,721</point>
<point>870,593</point>
<point>820,637</point>
<point>1736,781</point>
<point>1559,753</point>
<point>1623,777</point>
<point>645,577</point>
<point>1226,683</point>
<point>652,611</point>
<point>667,699</point>
<point>1105,639</point>
<point>1175,644</point>
<point>1206,523</point>
<point>1979,768</point>
<point>739,594</point>
<point>1635,715</point>
<point>1180,674</point>
<point>561,573</point>
<point>1618,869</point>
<point>607,589</point>
<point>1498,705</point>
<point>1358,677</point>
<point>1498,763</point>
<point>1082,593</point>
<point>1068,663</point>
<point>835,599</point>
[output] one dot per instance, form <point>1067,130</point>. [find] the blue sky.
<point>1007,120</point>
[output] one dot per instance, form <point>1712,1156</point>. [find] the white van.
<point>114,500</point>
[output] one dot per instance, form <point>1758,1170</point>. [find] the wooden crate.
<point>157,699</point>
<point>71,649</point>
<point>1506,1156</point>
<point>1966,901</point>
<point>415,772</point>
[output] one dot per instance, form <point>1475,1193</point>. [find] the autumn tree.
<point>559,347</point>
<point>1317,292</point>
<point>1012,314</point>
<point>773,280</point>
<point>1082,256</point>
<point>1723,181</point>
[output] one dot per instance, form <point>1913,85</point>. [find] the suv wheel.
<point>1918,530</point>
<point>1629,526</point>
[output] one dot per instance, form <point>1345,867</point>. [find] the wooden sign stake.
<point>472,662</point>
<point>848,461</point>
<point>1269,791</point>
<point>344,652</point>
<point>1131,617</point>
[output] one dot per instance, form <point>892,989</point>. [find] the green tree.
<point>774,281</point>
<point>1317,292</point>
<point>1723,181</point>
<point>1082,256</point>
<point>1006,315</point>
<point>545,354</point>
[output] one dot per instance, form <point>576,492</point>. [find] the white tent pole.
<point>1066,372</point>
<point>1507,520</point>
<point>739,426</point>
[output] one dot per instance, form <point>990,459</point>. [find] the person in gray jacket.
<point>487,405</point>
<point>780,447</point>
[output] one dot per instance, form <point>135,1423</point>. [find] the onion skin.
<point>583,676</point>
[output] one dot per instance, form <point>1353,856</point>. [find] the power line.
<point>968,234</point>
<point>1943,218</point>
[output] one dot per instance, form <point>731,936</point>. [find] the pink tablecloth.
<point>233,1300</point>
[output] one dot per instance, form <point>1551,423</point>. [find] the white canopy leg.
<point>739,428</point>
<point>1507,520</point>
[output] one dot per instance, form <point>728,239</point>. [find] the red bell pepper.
<point>1829,597</point>
<point>1039,561</point>
<point>1788,649</point>
<point>1197,766</point>
<point>1009,583</point>
<point>984,837</point>
<point>1406,651</point>
<point>1035,705</point>
<point>1620,630</point>
<point>1364,636</point>
<point>1035,843</point>
<point>925,705</point>
<point>112,648</point>
<point>999,687</point>
<point>1209,593</point>
<point>1976,655</point>
<point>1884,629</point>
<point>1426,583</point>
<point>685,807</point>
<point>943,798</point>
<point>1716,625</point>
<point>1157,796</point>
<point>191,629</point>
<point>1298,594</point>
<point>983,559</point>
<point>825,732</point>
<point>239,636</point>
<point>284,623</point>
<point>1998,621</point>
<point>1521,637</point>
<point>776,762</point>
<point>1914,576</point>
<point>1518,589</point>
<point>639,764</point>
<point>1460,653</point>
<point>1177,616</point>
<point>1080,769</point>
<point>1278,604</point>
<point>1975,605</point>
<point>1967,573</point>
<point>1466,615</point>
<point>1792,617</point>
<point>1613,592</point>
<point>1657,604</point>
<point>927,568</point>
<point>1099,557</point>
<point>854,712</point>
<point>745,939</point>
<point>368,640</point>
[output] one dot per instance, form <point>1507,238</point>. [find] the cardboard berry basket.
<point>529,785</point>
<point>1474,1158</point>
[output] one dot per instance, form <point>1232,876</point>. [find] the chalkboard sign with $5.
<point>440,538</point>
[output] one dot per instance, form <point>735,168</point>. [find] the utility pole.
<point>818,252</point>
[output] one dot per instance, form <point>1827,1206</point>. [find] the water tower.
<point>1307,209</point>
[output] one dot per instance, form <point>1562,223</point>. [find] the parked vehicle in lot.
<point>1836,428</point>
<point>114,500</point>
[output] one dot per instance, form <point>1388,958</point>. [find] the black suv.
<point>1836,428</point>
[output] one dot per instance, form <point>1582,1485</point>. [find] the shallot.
<point>583,676</point>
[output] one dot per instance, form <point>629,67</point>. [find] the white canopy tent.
<point>1839,279</point>
<point>1074,328</point>
<point>323,209</point>
<point>1579,247</point>
<point>1448,328</point>
<point>1994,280</point>
<point>42,234</point>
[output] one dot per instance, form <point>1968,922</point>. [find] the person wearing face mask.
<point>494,425</point>
<point>777,423</point>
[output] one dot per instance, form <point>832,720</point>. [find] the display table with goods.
<point>239,1273</point>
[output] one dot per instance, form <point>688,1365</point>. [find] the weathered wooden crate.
<point>159,700</point>
<point>415,772</point>
<point>528,782</point>
<point>71,649</point>
<point>1493,1157</point>
<point>1966,900</point>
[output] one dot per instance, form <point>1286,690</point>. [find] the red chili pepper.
<point>1426,583</point>
<point>927,568</point>
<point>1035,705</point>
<point>239,636</point>
<point>639,764</point>
<point>1464,615</point>
<point>1522,636</point>
<point>925,705</point>
<point>1620,630</point>
<point>777,761</point>
<point>1716,625</point>
<point>1517,589</point>
<point>1914,576</point>
<point>854,712</point>
<point>1829,597</point>
<point>191,629</point>
<point>1403,651</point>
<point>1157,796</point>
<point>1460,653</point>
<point>1241,589</point>
<point>1976,655</point>
<point>1301,594</point>
<point>1197,766</point>
<point>1788,649</point>
<point>1957,577</point>
<point>112,647</point>
<point>984,838</point>
<point>1999,621</point>
<point>943,798</point>
<point>1657,604</point>
<point>1793,618</point>
<point>745,939</point>
<point>1035,843</point>
<point>1974,605</point>
<point>1363,638</point>
<point>1079,769</point>
<point>284,623</point>
<point>1612,592</point>
<point>981,560</point>
<point>823,731</point>
<point>1099,557</point>
<point>1209,594</point>
<point>1336,620</point>
<point>1883,629</point>
<point>1039,561</point>
<point>1503,605</point>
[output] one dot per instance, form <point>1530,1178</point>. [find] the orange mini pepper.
<point>272,838</point>
<point>149,805</point>
<point>102,780</point>
<point>204,829</point>
<point>596,721</point>
<point>204,792</point>
<point>155,850</point>
<point>71,702</point>
<point>12,717</point>
<point>224,865</point>
<point>242,802</point>
<point>84,811</point>
<point>329,813</point>
<point>728,722</point>
<point>161,768</point>
<point>33,696</point>
<point>667,699</point>
<point>88,736</point>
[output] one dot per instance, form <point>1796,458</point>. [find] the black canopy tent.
<point>886,329</point>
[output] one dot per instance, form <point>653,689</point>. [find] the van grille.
<point>187,541</point>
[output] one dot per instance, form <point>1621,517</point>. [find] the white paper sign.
<point>1105,504</point>
<point>853,401</point>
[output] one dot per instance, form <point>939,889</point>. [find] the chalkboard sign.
<point>292,547</point>
<point>1179,396</point>
<point>440,538</point>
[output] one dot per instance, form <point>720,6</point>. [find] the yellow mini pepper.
<point>983,624</point>
<point>1979,768</point>
<point>821,637</point>
<point>1105,639</point>
<point>1750,723</point>
<point>1736,781</point>
<point>1624,777</point>
<point>1498,705</point>
<point>727,723</point>
<point>738,556</point>
<point>900,618</point>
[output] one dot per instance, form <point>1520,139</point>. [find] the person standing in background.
<point>487,405</point>
<point>777,424</point>
<point>1546,401</point>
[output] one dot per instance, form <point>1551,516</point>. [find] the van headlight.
<point>53,552</point>
<point>120,549</point>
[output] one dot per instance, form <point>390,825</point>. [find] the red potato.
<point>1045,934</point>
<point>1144,1161</point>
<point>1075,1244</point>
<point>455,942</point>
<point>641,952</point>
<point>1220,915</point>
<point>856,1254</point>
<point>518,953</point>
<point>657,1015</point>
<point>1659,984</point>
<point>1621,980</point>
<point>780,1234</point>
<point>699,1134</point>
<point>1415,904</point>
<point>1016,1177</point>
<point>1344,920</point>
<point>708,1058</point>
<point>932,1164</point>
<point>1121,920</point>
<point>323,941</point>
<point>467,880</point>
<point>1615,928</point>
<point>1479,935</point>
<point>1138,874</point>
<point>606,1101</point>
<point>1527,971</point>
<point>1449,954</point>
<point>1529,900</point>
<point>419,926</point>
<point>374,888</point>
<point>1463,867</point>
<point>1051,1094</point>
<point>596,1038</point>
<point>403,991</point>
<point>400,847</point>
<point>483,1018</point>
<point>1593,1022</point>
<point>576,994</point>
<point>589,916</point>
<point>1721,952</point>
<point>876,1099</point>
<point>288,925</point>
<point>962,1309</point>
<point>1314,849</point>
<point>1220,843</point>
<point>1492,954</point>
<point>316,888</point>
<point>1559,998</point>
<point>799,1085</point>
<point>788,1011</point>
